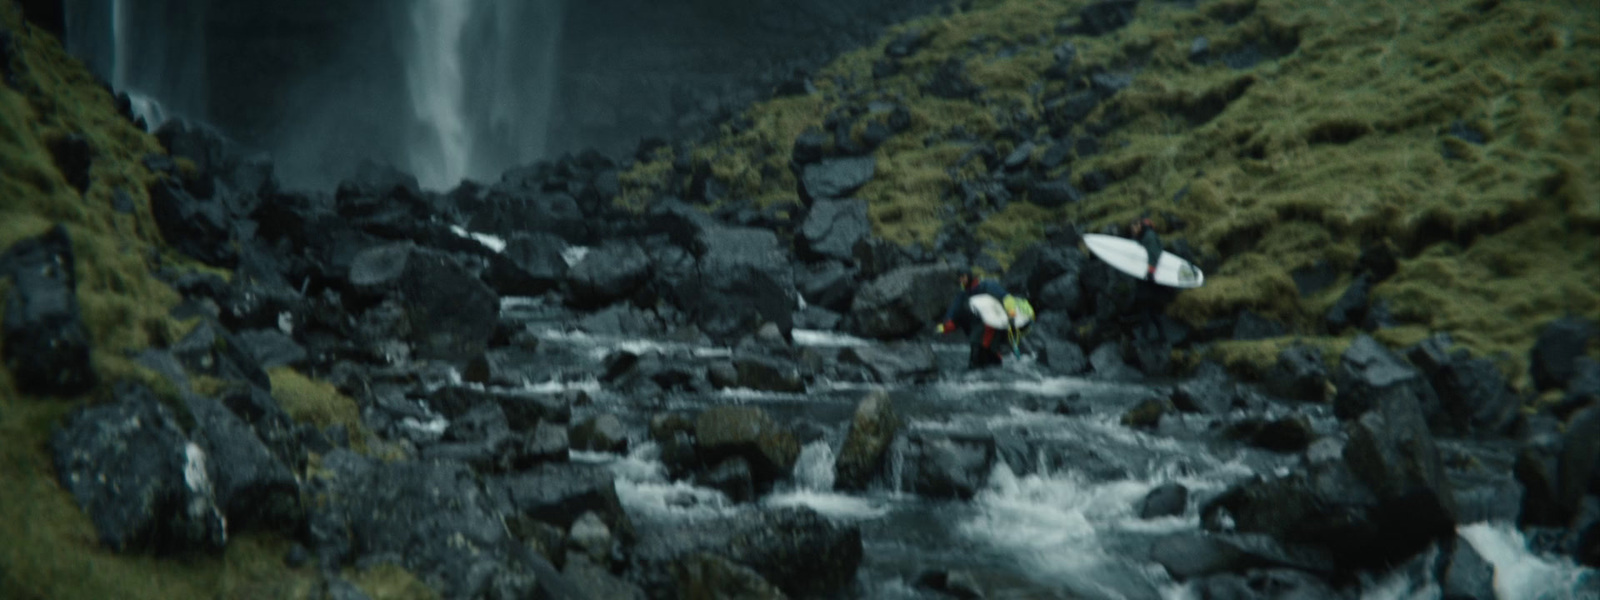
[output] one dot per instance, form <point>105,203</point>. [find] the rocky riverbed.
<point>543,386</point>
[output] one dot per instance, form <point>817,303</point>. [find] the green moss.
<point>389,582</point>
<point>312,401</point>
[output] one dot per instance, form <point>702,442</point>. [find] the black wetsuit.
<point>1152,247</point>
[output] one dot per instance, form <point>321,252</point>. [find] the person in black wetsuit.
<point>1150,298</point>
<point>1145,233</point>
<point>981,337</point>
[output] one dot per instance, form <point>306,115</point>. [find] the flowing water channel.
<point>1057,518</point>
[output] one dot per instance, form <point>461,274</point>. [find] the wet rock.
<point>732,477</point>
<point>1584,388</point>
<point>707,575</point>
<point>833,227</point>
<point>73,156</point>
<point>1210,392</point>
<point>524,409</point>
<point>828,285</point>
<point>1351,307</point>
<point>808,147</point>
<point>1062,356</point>
<point>505,214</point>
<point>139,480</point>
<point>1474,394</point>
<point>902,302</point>
<point>1391,450</point>
<point>511,367</point>
<point>607,274</point>
<point>836,177</point>
<point>598,583</point>
<point>726,431</point>
<point>940,466</point>
<point>196,227</point>
<point>1263,584</point>
<point>955,583</point>
<point>1465,574</point>
<point>1251,326</point>
<point>1553,359</point>
<point>591,538</point>
<point>1580,455</point>
<point>1193,555</point>
<point>1298,374</point>
<point>601,433</point>
<point>1147,414</point>
<point>559,494</point>
<point>1054,193</point>
<point>423,513</point>
<point>1370,376</point>
<point>531,264</point>
<point>450,313</point>
<point>270,348</point>
<point>795,549</point>
<point>1166,500</point>
<point>768,373</point>
<point>895,362</point>
<point>743,280</point>
<point>1041,265</point>
<point>1287,434</point>
<point>210,350</point>
<point>46,344</point>
<point>1106,362</point>
<point>872,430</point>
<point>252,487</point>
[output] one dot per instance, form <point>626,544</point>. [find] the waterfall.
<point>434,79</point>
<point>813,470</point>
<point>479,75</point>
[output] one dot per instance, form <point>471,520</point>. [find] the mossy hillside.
<point>1333,142</point>
<point>52,549</point>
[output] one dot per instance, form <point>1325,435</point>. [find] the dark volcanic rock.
<point>608,273</point>
<point>800,552</point>
<point>872,430</point>
<point>1287,434</point>
<point>741,280</point>
<point>1053,194</point>
<point>45,342</point>
<point>727,431</point>
<point>1210,392</point>
<point>1299,374</point>
<point>1351,307</point>
<point>602,433</point>
<point>423,514</point>
<point>836,177</point>
<point>767,373</point>
<point>828,285</point>
<point>140,481</point>
<point>1473,393</point>
<point>903,302</point>
<point>199,228</point>
<point>450,313</point>
<point>270,348</point>
<point>732,477</point>
<point>1193,554</point>
<point>940,466</point>
<point>1554,356</point>
<point>531,264</point>
<point>1166,500</point>
<point>1370,375</point>
<point>833,227</point>
<point>561,493</point>
<point>895,362</point>
<point>252,487</point>
<point>707,575</point>
<point>1106,16</point>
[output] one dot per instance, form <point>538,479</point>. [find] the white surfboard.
<point>989,310</point>
<point>1131,258</point>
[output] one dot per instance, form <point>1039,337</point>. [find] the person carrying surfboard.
<point>980,335</point>
<point>1145,232</point>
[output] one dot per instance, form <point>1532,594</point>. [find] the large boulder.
<point>197,227</point>
<point>531,264</point>
<point>903,301</point>
<point>741,281</point>
<point>830,285</point>
<point>425,515</point>
<point>836,177</point>
<point>866,445</point>
<point>451,314</point>
<point>142,483</point>
<point>505,214</point>
<point>1391,450</point>
<point>945,466</point>
<point>45,342</point>
<point>833,227</point>
<point>1370,375</point>
<point>253,488</point>
<point>795,549</point>
<point>1042,264</point>
<point>559,494</point>
<point>1299,374</point>
<point>1553,359</point>
<point>727,431</point>
<point>609,273</point>
<point>895,362</point>
<point>1472,391</point>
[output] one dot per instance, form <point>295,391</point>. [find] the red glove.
<point>945,327</point>
<point>1151,274</point>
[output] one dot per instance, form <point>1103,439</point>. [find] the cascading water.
<point>479,78</point>
<point>434,80</point>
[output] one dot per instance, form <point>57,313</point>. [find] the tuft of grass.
<point>317,402</point>
<point>386,581</point>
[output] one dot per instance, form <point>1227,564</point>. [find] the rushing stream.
<point>1057,518</point>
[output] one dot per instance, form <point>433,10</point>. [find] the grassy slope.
<point>1333,147</point>
<point>51,548</point>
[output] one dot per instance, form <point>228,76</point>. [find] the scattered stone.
<point>1553,360</point>
<point>941,466</point>
<point>866,445</point>
<point>725,431</point>
<point>46,344</point>
<point>1166,500</point>
<point>602,433</point>
<point>73,155</point>
<point>732,477</point>
<point>833,227</point>
<point>1147,414</point>
<point>836,177</point>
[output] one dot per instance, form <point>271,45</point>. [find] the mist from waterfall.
<point>434,80</point>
